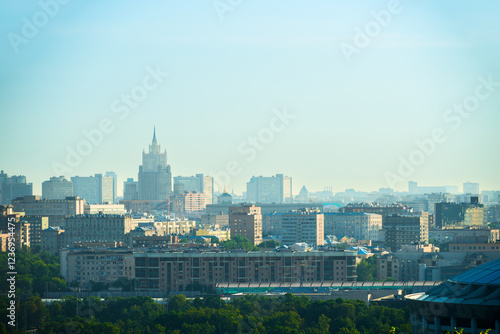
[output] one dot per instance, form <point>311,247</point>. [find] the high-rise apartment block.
<point>406,229</point>
<point>115,184</point>
<point>199,183</point>
<point>274,189</point>
<point>303,225</point>
<point>97,189</point>
<point>130,190</point>
<point>57,188</point>
<point>155,176</point>
<point>13,187</point>
<point>246,220</point>
<point>459,214</point>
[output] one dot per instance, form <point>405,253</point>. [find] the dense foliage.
<point>269,244</point>
<point>37,272</point>
<point>367,270</point>
<point>238,242</point>
<point>248,314</point>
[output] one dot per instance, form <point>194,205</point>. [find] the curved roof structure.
<point>472,294</point>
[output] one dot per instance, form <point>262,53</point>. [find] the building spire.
<point>154,147</point>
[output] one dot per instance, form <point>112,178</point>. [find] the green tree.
<point>238,242</point>
<point>367,269</point>
<point>269,244</point>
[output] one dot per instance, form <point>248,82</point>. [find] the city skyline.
<point>304,90</point>
<point>154,147</point>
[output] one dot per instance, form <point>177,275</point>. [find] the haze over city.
<point>358,105</point>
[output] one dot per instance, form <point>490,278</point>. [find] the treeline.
<point>248,314</point>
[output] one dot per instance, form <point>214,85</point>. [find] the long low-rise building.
<point>464,235</point>
<point>97,265</point>
<point>174,271</point>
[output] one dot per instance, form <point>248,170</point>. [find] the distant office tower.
<point>57,188</point>
<point>130,190</point>
<point>358,225</point>
<point>303,225</point>
<point>95,189</point>
<point>56,209</point>
<point>471,188</point>
<point>115,184</point>
<point>246,220</point>
<point>459,214</point>
<point>13,187</point>
<point>274,189</point>
<point>412,187</point>
<point>199,183</point>
<point>405,229</point>
<point>155,177</point>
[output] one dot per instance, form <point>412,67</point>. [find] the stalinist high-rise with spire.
<point>155,177</point>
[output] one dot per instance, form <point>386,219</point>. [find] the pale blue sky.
<point>353,120</point>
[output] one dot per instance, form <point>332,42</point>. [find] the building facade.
<point>96,228</point>
<point>12,187</point>
<point>380,209</point>
<point>107,209</point>
<point>97,265</point>
<point>358,225</point>
<point>56,209</point>
<point>274,189</point>
<point>459,214</point>
<point>303,226</point>
<point>187,202</point>
<point>405,229</point>
<point>246,220</point>
<point>174,271</point>
<point>464,235</point>
<point>97,189</point>
<point>199,183</point>
<point>130,190</point>
<point>57,188</point>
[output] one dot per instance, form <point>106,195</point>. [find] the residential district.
<point>171,235</point>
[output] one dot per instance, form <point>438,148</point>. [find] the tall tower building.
<point>155,177</point>
<point>115,183</point>
<point>246,220</point>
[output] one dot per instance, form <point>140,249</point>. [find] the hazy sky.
<point>362,81</point>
